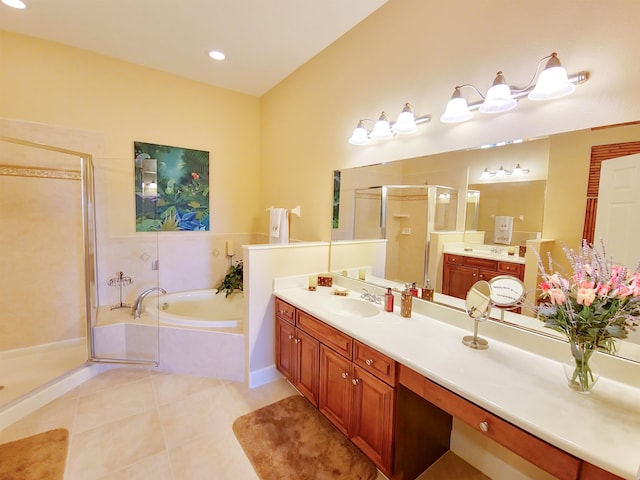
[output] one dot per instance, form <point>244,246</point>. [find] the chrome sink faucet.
<point>137,306</point>
<point>370,297</point>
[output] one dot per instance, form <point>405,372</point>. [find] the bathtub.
<point>198,308</point>
<point>198,333</point>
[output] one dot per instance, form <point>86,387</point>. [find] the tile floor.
<point>139,424</point>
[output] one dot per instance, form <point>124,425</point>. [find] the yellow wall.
<point>417,51</point>
<point>53,84</point>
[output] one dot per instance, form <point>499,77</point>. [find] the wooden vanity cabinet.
<point>297,353</point>
<point>355,383</point>
<point>461,272</point>
<point>553,460</point>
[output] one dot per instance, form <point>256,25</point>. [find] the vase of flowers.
<point>596,304</point>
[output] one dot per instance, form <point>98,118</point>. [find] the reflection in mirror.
<point>507,292</point>
<point>549,161</point>
<point>478,305</point>
<point>473,210</point>
<point>521,201</point>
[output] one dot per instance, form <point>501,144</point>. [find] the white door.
<point>618,215</point>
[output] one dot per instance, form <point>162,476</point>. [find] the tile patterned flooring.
<point>132,423</point>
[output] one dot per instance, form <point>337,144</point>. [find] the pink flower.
<point>557,296</point>
<point>586,296</point>
<point>622,291</point>
<point>545,287</point>
<point>603,289</point>
<point>195,175</point>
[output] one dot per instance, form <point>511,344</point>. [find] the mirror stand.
<point>474,341</point>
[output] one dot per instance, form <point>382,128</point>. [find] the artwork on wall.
<point>336,199</point>
<point>172,188</point>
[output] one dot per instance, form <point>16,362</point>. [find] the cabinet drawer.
<point>540,453</point>
<point>511,268</point>
<point>450,258</point>
<point>338,341</point>
<point>285,311</point>
<point>484,263</point>
<point>374,362</point>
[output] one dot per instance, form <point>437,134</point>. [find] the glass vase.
<point>578,370</point>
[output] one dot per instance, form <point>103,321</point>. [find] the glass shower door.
<point>126,324</point>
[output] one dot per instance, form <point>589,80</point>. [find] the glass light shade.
<point>457,109</point>
<point>360,135</point>
<point>501,172</point>
<point>498,100</point>
<point>485,174</point>
<point>406,123</point>
<point>14,4</point>
<point>552,83</point>
<point>517,171</point>
<point>382,129</point>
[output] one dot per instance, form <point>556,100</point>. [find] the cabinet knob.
<point>484,426</point>
<point>290,337</point>
<point>296,341</point>
<point>474,275</point>
<point>345,374</point>
<point>355,381</point>
<point>368,361</point>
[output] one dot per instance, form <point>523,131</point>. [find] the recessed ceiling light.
<point>215,54</point>
<point>14,3</point>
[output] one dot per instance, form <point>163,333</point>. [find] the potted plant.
<point>232,281</point>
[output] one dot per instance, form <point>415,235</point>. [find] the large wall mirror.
<point>409,202</point>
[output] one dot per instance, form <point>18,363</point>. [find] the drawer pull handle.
<point>484,426</point>
<point>355,381</point>
<point>345,374</point>
<point>368,361</point>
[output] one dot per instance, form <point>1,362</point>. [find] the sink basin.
<point>352,307</point>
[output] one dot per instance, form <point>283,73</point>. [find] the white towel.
<point>503,229</point>
<point>278,225</point>
<point>274,222</point>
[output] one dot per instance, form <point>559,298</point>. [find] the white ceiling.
<point>264,40</point>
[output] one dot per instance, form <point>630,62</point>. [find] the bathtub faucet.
<point>137,306</point>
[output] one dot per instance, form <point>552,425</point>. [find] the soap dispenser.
<point>427,291</point>
<point>406,301</point>
<point>388,301</point>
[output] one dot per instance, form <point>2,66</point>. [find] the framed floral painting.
<point>171,188</point>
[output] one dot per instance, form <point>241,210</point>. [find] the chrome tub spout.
<point>137,306</point>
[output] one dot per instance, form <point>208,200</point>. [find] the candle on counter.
<point>362,274</point>
<point>511,250</point>
<point>313,282</point>
<point>230,251</point>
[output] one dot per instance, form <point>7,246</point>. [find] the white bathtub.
<point>198,308</point>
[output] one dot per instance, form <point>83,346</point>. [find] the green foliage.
<point>232,281</point>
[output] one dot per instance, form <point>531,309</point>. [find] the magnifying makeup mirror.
<point>478,306</point>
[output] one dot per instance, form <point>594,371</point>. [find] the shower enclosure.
<point>50,319</point>
<point>405,215</point>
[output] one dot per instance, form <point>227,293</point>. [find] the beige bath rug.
<point>291,440</point>
<point>39,457</point>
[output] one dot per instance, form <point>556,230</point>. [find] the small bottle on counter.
<point>413,289</point>
<point>427,291</point>
<point>388,301</point>
<point>406,302</point>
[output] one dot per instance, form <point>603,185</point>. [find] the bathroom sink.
<point>352,307</point>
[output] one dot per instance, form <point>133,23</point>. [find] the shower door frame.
<point>89,245</point>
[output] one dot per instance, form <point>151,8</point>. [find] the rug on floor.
<point>292,440</point>
<point>41,456</point>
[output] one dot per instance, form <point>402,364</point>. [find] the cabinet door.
<point>372,416</point>
<point>285,349</point>
<point>334,399</point>
<point>459,280</point>
<point>307,363</point>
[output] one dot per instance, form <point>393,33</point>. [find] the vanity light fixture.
<point>502,172</point>
<point>383,129</point>
<point>553,82</point>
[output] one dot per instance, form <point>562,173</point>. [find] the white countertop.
<point>480,252</point>
<point>521,387</point>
